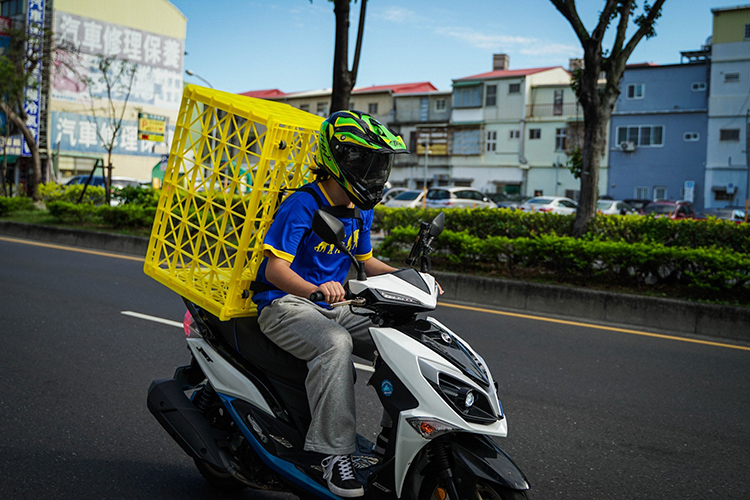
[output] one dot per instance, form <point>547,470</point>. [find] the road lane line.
<point>156,319</point>
<point>598,327</point>
<point>71,249</point>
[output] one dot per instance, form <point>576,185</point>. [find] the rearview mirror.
<point>329,228</point>
<point>437,225</point>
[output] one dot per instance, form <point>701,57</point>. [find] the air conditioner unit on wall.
<point>627,146</point>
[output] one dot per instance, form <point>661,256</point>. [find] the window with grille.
<point>660,193</point>
<point>557,107</point>
<point>641,135</point>
<point>322,109</point>
<point>729,134</point>
<point>304,107</point>
<point>440,105</point>
<point>467,97</point>
<point>641,193</point>
<point>466,141</point>
<point>372,108</point>
<point>747,32</point>
<point>491,140</point>
<point>535,133</point>
<point>635,91</point>
<point>560,139</point>
<point>731,77</point>
<point>514,88</point>
<point>514,134</point>
<point>491,97</point>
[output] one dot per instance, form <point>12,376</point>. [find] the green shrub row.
<point>118,217</point>
<point>15,204</point>
<point>699,273</point>
<point>484,223</point>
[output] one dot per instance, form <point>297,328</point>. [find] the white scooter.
<point>240,409</point>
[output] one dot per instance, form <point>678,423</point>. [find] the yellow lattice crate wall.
<point>232,157</point>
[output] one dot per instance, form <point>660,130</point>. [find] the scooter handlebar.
<point>319,297</point>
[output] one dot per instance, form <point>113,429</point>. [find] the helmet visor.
<point>366,171</point>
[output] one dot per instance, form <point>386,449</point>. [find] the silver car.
<point>550,204</point>
<point>457,197</point>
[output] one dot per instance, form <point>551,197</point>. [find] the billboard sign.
<point>32,102</point>
<point>77,132</point>
<point>151,127</point>
<point>158,81</point>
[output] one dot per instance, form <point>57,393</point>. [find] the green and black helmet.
<point>357,150</point>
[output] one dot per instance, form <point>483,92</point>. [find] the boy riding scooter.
<point>355,155</point>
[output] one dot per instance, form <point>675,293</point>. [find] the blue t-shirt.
<point>291,238</point>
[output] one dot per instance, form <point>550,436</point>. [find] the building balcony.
<point>565,111</point>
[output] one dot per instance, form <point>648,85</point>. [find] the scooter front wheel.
<point>432,490</point>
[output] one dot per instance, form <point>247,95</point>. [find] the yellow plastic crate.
<point>232,157</point>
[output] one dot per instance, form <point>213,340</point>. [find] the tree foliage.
<point>597,100</point>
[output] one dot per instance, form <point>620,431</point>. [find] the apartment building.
<point>727,176</point>
<point>658,133</point>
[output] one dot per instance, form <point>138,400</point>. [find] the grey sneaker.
<point>338,471</point>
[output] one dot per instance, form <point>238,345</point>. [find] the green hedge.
<point>627,229</point>
<point>118,217</point>
<point>699,273</point>
<point>15,204</point>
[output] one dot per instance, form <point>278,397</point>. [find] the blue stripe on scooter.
<point>283,467</point>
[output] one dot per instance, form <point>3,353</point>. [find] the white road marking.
<point>358,366</point>
<point>152,318</point>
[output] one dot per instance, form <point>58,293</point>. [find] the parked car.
<point>457,197</point>
<point>503,200</point>
<point>392,193</point>
<point>98,180</point>
<point>406,199</point>
<point>673,209</point>
<point>614,207</point>
<point>733,213</point>
<point>550,204</point>
<point>637,203</point>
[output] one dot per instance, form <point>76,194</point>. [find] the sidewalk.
<point>668,316</point>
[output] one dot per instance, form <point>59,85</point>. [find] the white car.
<point>457,197</point>
<point>392,193</point>
<point>550,204</point>
<point>614,207</point>
<point>406,199</point>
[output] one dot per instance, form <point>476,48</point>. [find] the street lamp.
<point>199,77</point>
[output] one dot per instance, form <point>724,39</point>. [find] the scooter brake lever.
<point>354,302</point>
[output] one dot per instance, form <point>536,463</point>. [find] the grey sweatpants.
<point>325,339</point>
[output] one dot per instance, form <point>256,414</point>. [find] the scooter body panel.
<point>225,378</point>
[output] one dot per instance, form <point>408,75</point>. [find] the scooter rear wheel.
<point>431,490</point>
<point>219,478</point>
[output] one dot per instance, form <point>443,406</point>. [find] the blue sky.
<point>242,45</point>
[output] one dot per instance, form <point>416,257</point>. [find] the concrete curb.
<point>575,304</point>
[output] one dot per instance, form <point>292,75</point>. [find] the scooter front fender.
<point>482,458</point>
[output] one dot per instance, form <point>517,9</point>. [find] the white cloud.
<point>395,15</point>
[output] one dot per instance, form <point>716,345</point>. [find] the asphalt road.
<point>593,413</point>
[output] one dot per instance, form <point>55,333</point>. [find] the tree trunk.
<point>342,77</point>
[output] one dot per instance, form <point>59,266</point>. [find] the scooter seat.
<point>244,336</point>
